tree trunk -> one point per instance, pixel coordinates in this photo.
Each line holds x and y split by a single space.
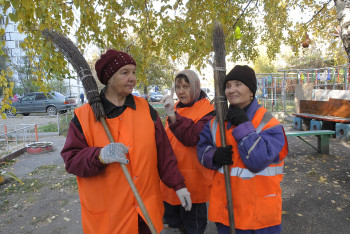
343 15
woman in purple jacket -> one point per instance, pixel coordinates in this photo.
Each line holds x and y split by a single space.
256 147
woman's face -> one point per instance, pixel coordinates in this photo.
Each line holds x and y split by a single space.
238 94
124 80
183 91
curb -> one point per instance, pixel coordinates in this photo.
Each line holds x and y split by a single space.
13 155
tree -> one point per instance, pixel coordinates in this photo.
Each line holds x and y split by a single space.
160 73
25 78
150 28
343 15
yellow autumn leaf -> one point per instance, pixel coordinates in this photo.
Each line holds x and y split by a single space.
322 179
41 27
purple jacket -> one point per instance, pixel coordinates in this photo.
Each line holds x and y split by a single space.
263 154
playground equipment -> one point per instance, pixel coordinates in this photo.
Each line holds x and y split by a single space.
276 91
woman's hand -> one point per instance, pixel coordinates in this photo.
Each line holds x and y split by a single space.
114 152
185 198
223 155
168 105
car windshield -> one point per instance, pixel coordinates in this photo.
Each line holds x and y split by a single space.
57 95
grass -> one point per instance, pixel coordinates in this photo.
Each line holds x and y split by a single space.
64 125
51 127
45 169
162 115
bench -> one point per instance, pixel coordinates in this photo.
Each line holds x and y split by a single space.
322 138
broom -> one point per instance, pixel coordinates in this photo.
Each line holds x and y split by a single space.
74 56
221 108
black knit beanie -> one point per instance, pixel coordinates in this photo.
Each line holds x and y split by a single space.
244 74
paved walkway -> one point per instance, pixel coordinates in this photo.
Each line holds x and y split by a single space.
28 162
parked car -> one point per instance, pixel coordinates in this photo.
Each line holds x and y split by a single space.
155 97
39 102
137 94
210 93
145 96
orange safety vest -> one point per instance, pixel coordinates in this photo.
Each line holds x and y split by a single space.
198 179
257 201
107 202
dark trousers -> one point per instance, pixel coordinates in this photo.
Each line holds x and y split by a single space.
223 229
193 221
143 227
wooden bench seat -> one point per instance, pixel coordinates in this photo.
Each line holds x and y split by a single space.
322 138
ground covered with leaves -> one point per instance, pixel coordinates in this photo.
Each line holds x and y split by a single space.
43 203
316 192
316 188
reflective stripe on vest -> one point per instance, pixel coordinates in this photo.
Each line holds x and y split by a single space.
245 173
266 118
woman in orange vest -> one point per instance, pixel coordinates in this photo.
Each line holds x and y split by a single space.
107 202
256 147
185 121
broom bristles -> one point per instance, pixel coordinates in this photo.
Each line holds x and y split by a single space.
219 45
74 56
219 68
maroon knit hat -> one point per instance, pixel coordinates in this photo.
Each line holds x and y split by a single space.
110 62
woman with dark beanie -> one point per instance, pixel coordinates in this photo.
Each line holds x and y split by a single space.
256 147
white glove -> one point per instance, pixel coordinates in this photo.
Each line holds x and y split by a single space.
114 152
168 104
185 198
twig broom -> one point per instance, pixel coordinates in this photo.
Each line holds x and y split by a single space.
74 56
221 108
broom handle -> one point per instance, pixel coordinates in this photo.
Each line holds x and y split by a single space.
131 183
226 171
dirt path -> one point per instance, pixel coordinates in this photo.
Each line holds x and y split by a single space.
316 192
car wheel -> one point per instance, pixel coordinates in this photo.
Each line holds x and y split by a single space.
25 114
9 113
51 110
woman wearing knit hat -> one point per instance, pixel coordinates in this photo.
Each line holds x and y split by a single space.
107 202
185 120
256 148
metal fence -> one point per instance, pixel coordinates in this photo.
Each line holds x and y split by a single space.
16 137
17 132
275 91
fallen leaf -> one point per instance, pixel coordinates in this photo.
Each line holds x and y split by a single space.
322 179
